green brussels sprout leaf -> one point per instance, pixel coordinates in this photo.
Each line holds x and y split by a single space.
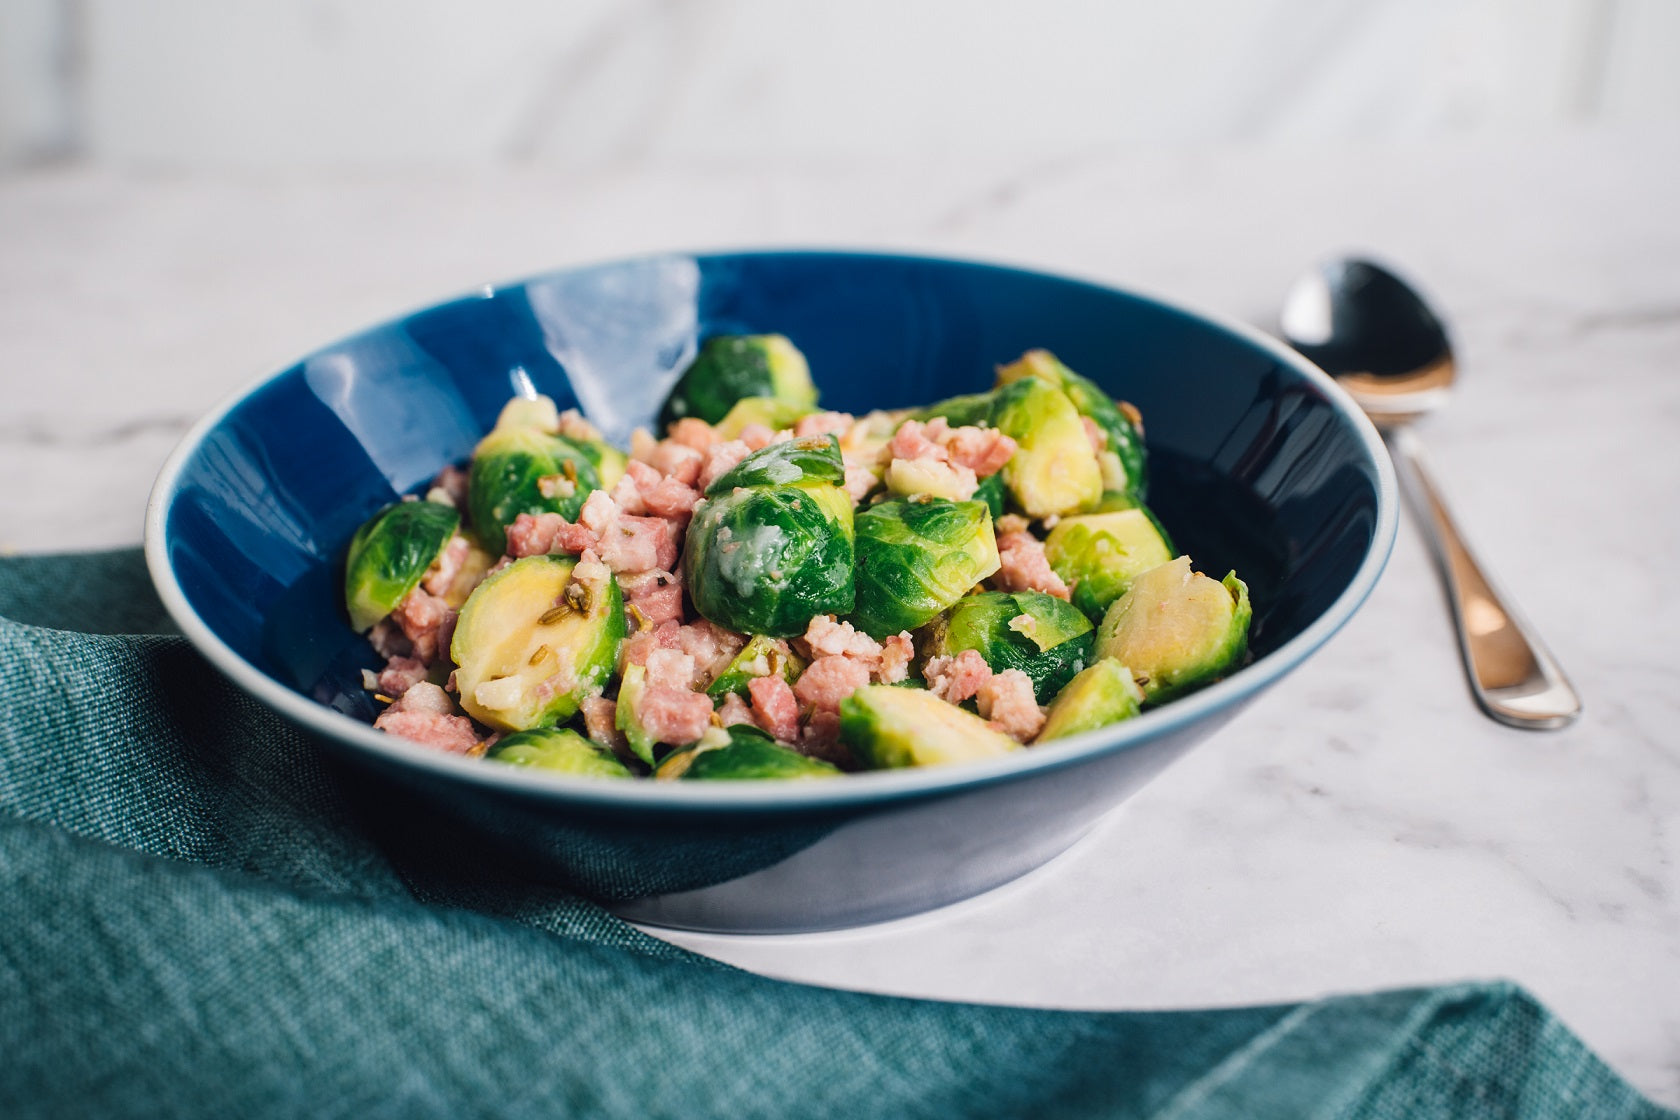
536 638
389 556
760 657
810 460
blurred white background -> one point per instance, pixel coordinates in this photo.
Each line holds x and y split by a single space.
610 85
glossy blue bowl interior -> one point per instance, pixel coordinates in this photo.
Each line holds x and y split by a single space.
1257 463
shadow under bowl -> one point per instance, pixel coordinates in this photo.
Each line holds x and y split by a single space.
1258 462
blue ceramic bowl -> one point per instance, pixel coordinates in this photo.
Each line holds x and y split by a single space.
1258 463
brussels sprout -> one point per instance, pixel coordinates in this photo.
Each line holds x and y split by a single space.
1177 629
1103 694
772 413
536 638
389 556
521 468
760 657
914 559
1054 471
1123 460
1043 636
772 545
560 750
1099 554
895 727
809 461
748 755
625 718
730 367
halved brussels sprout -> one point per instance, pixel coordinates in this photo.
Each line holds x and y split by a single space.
1123 461
536 638
772 545
559 750
523 467
924 478
1046 638
1099 554
730 367
760 657
1102 694
891 727
1054 471
1177 629
809 461
914 559
772 413
389 556
748 755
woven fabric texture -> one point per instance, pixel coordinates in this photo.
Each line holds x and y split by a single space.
194 921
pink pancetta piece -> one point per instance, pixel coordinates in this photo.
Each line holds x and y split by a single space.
734 710
532 534
957 678
1007 700
896 654
912 441
829 680
427 622
388 640
669 498
447 566
757 436
860 481
674 715
425 714
982 450
638 646
656 595
775 707
677 461
823 424
721 458
826 636
600 722
670 668
693 432
711 646
1022 566
400 674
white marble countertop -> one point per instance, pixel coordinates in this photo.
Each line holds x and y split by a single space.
1361 826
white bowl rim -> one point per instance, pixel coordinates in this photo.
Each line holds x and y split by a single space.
854 791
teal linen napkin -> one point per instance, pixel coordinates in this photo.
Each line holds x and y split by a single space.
194 921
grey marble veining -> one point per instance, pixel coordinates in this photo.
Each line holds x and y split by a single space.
1361 826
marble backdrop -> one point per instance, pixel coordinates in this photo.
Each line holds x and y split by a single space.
595 84
1361 826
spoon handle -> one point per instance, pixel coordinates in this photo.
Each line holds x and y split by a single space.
1512 675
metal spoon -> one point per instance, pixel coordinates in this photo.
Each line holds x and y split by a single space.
1370 331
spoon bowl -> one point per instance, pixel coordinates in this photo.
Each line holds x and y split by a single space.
1376 336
